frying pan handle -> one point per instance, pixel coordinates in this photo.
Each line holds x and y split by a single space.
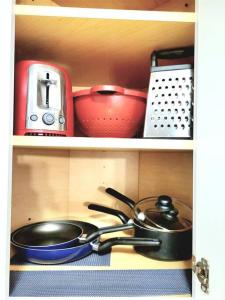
107 89
106 245
174 53
124 218
108 229
120 197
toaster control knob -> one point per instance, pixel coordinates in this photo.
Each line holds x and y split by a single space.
48 119
61 120
33 117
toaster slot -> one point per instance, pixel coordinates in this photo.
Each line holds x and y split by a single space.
47 91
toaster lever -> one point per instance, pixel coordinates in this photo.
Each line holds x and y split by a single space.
49 82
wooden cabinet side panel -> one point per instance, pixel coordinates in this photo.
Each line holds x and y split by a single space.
167 173
40 186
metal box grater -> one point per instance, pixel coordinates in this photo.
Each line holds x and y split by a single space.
169 112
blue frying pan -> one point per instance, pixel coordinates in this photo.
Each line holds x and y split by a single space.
77 251
58 234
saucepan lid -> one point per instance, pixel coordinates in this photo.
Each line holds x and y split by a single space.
163 213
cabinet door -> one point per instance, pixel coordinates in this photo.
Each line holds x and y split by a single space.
209 148
6 104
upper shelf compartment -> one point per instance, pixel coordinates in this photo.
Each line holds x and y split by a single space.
162 5
100 46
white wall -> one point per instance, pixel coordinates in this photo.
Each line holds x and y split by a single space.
209 153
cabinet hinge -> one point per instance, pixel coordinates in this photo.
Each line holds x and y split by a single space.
201 269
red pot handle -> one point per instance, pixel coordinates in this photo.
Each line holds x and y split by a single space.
107 89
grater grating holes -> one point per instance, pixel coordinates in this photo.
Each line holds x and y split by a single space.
171 98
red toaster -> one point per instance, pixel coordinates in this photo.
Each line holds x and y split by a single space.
43 100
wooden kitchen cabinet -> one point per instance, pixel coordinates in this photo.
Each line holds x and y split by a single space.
51 178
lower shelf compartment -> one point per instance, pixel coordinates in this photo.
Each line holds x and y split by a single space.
101 275
120 273
104 283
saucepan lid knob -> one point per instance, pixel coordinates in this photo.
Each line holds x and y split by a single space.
164 203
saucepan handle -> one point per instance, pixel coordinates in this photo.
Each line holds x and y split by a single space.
106 245
108 229
120 197
108 210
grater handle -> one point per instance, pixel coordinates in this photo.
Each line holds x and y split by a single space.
174 53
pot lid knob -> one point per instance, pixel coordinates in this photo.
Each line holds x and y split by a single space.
164 203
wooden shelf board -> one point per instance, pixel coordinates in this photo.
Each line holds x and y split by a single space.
100 46
85 143
99 13
126 259
161 5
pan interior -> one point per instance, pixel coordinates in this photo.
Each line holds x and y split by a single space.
47 234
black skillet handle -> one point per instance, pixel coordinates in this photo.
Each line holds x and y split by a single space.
106 245
120 197
174 53
108 229
124 218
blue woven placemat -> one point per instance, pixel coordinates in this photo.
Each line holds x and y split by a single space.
102 283
91 260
